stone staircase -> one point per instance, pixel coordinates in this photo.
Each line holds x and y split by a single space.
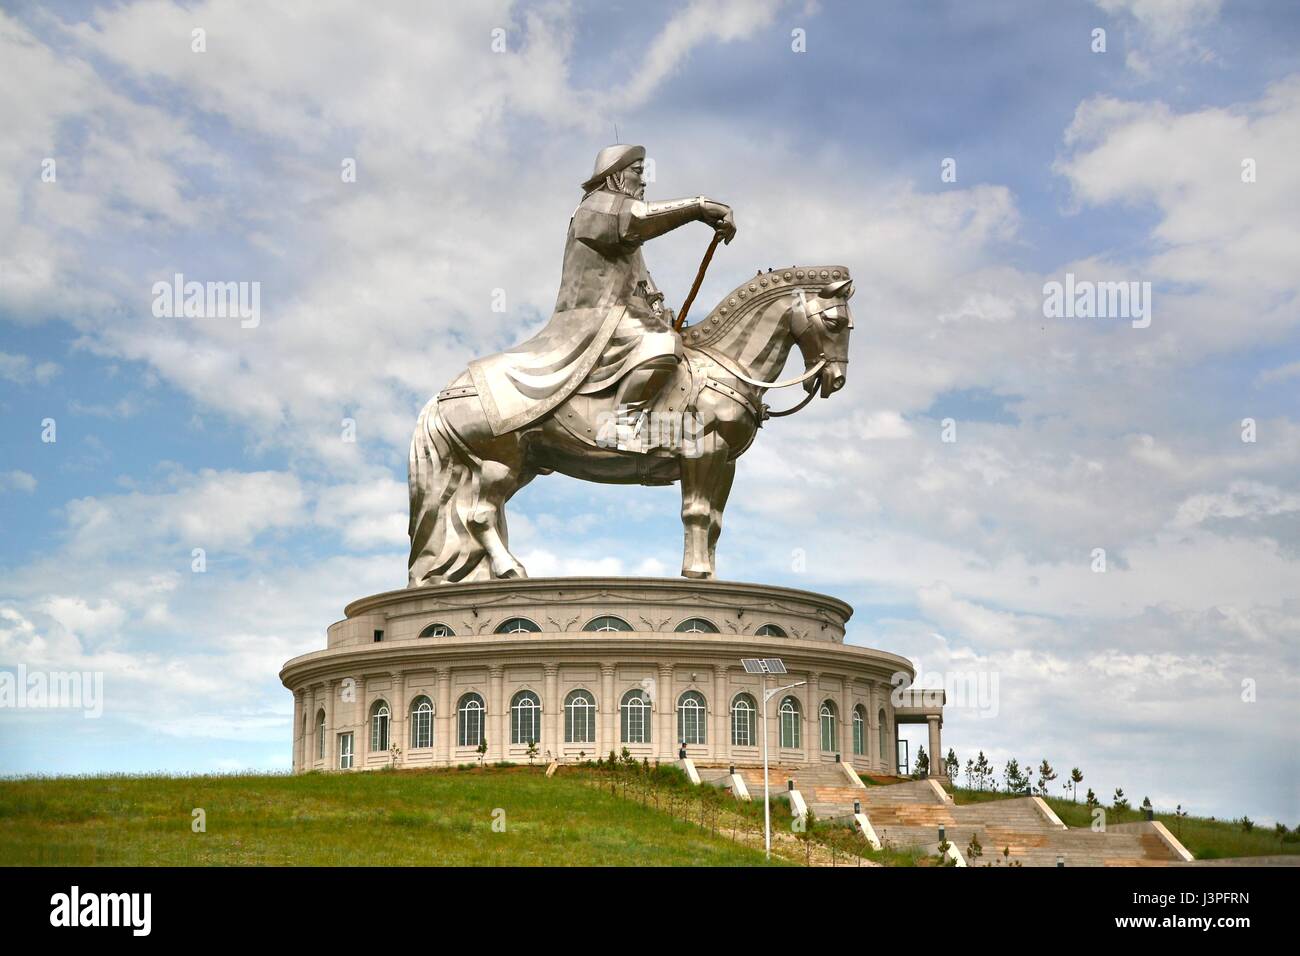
909 814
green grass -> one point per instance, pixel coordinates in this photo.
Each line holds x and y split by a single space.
1204 838
416 818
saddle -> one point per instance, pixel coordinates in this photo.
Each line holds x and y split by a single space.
670 424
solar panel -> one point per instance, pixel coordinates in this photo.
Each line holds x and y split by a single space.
752 665
775 665
764 665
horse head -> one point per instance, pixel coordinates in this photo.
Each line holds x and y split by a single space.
821 324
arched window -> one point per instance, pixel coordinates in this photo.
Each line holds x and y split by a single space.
437 630
379 726
695 625
635 717
771 630
692 717
742 721
791 723
859 730
525 718
517 625
607 623
579 718
469 721
320 734
421 723
884 744
829 721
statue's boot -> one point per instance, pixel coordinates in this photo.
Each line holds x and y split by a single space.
636 394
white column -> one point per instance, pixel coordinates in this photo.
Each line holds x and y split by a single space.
845 704
551 712
812 743
498 722
875 757
444 727
607 707
936 748
297 730
666 705
331 750
721 705
397 722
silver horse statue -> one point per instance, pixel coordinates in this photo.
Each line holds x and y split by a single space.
463 468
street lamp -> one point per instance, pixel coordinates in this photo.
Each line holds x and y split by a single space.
767 667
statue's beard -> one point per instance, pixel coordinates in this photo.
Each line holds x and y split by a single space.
619 184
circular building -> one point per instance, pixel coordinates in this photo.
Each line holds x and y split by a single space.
572 668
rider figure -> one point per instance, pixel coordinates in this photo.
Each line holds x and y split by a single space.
603 267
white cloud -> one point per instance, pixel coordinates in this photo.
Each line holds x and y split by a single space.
18 480
1225 240
21 370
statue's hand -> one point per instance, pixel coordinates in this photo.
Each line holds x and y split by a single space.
722 218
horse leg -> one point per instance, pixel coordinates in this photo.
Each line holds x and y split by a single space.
727 474
702 477
497 482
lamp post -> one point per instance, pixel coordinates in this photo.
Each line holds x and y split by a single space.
767 798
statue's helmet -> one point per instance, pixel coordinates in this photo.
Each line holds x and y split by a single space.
610 160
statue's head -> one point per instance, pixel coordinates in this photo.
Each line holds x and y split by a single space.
620 168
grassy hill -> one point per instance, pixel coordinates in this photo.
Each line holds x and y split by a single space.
416 818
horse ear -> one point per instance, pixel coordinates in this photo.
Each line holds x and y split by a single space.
837 290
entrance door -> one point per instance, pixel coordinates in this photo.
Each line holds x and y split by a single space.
345 751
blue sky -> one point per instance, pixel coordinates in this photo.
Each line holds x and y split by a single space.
970 557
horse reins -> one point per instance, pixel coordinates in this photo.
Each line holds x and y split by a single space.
782 383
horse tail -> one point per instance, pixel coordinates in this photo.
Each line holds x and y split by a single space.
440 482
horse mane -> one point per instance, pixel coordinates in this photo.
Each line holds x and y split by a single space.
755 291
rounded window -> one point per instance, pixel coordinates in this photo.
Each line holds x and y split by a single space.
607 623
469 720
525 718
517 625
421 723
695 625
771 630
437 629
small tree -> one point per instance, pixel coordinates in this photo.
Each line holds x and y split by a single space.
532 751
944 858
1120 802
951 766
974 849
1090 800
1045 777
922 762
1247 824
1076 778
970 773
482 750
1016 778
983 771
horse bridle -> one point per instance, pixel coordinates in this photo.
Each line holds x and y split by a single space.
800 323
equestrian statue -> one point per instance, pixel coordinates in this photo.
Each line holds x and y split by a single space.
615 388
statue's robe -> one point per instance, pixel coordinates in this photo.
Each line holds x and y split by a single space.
603 326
